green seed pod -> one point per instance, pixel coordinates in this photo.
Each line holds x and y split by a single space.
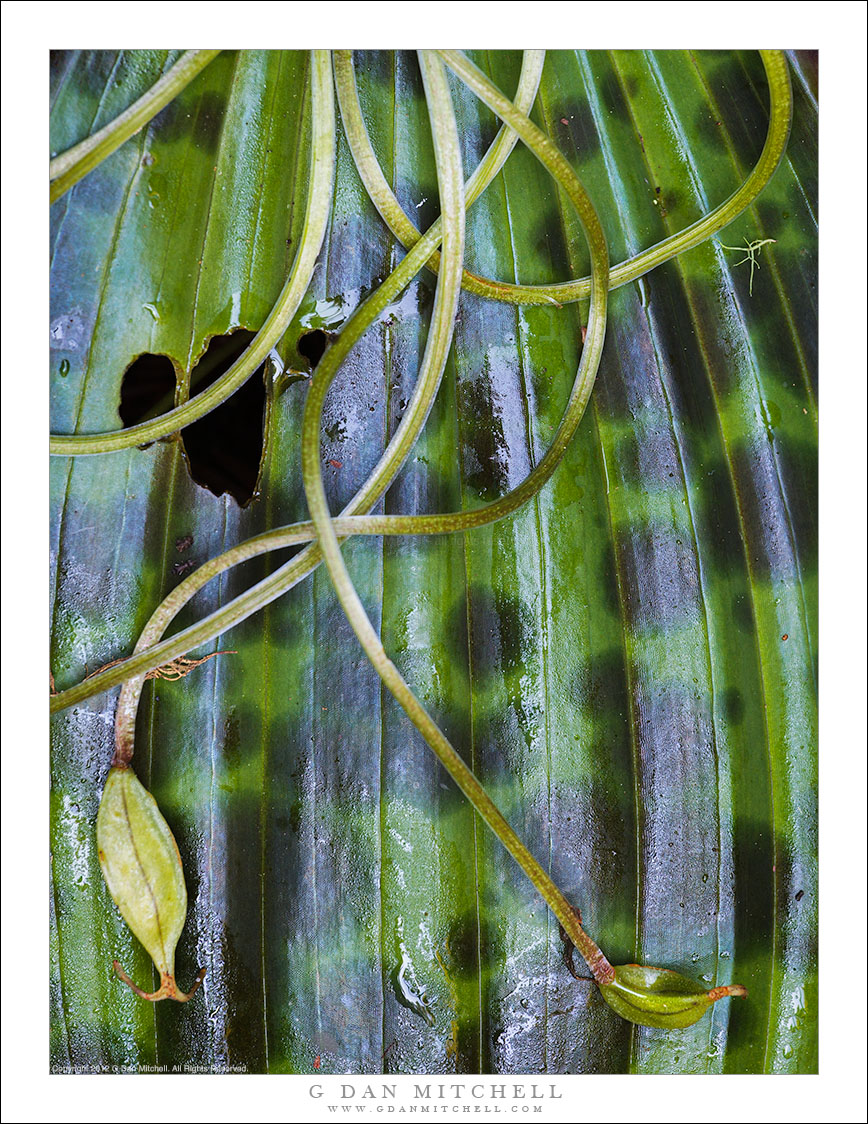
658 997
142 869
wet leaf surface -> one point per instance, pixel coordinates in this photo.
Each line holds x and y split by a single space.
628 663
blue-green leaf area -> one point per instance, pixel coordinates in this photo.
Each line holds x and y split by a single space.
628 662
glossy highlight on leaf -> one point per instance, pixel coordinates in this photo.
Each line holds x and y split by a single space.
607 659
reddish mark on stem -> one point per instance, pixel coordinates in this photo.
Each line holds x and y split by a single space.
569 947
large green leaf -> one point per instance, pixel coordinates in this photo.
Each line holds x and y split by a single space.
628 663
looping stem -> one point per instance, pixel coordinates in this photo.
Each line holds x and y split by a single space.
316 217
379 480
448 160
69 167
565 292
294 571
327 529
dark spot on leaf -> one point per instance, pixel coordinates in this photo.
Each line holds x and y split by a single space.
669 200
209 120
764 518
579 138
742 612
732 705
600 684
707 127
718 526
231 739
550 245
455 631
166 124
771 218
743 112
486 459
659 578
472 945
753 858
607 584
501 628
424 295
375 67
613 97
199 121
237 950
632 85
797 461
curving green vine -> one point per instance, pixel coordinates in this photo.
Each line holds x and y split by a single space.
67 168
646 996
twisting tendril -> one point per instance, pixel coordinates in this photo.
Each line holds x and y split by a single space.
69 167
644 995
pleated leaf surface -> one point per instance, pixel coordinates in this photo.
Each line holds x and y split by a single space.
628 663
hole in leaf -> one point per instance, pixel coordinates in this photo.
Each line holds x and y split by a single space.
312 346
147 389
224 448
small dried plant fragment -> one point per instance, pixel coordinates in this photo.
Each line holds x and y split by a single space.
142 869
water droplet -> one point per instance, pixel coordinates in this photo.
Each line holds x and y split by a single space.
64 368
66 332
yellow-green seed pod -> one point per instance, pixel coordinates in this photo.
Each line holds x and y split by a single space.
142 868
658 997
